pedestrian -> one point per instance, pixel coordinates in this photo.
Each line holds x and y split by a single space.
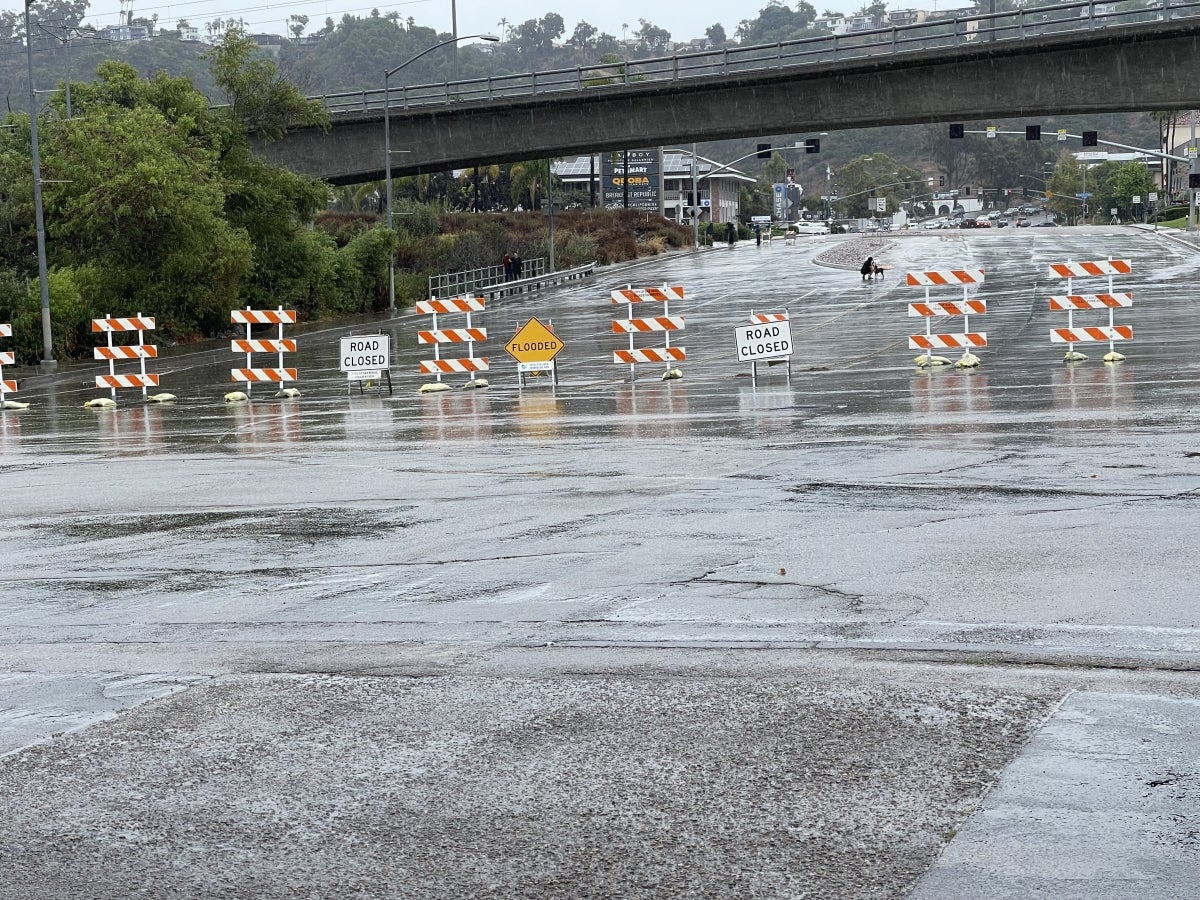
516 266
730 233
868 269
758 235
508 267
710 234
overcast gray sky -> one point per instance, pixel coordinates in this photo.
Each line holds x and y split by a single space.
684 20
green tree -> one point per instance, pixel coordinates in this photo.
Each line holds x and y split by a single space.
1133 179
260 98
1065 184
651 38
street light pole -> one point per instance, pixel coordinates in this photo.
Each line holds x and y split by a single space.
49 364
387 137
695 210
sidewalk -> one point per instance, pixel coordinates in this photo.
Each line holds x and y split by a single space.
1101 805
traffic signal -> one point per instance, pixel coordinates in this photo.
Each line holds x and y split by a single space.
764 151
1033 132
1193 181
941 181
812 145
1089 139
956 130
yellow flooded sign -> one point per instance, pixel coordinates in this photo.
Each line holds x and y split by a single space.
534 342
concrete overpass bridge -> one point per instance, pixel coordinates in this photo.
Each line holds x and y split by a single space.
1070 58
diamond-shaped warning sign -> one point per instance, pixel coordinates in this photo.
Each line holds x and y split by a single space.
534 342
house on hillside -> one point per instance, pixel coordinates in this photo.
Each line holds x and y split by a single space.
121 33
833 24
898 18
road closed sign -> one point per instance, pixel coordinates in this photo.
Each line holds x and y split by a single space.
770 341
534 343
365 353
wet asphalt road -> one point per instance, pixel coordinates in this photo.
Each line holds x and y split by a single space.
845 541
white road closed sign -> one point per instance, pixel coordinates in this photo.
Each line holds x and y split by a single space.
367 352
770 341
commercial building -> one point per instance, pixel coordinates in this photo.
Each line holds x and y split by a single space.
659 179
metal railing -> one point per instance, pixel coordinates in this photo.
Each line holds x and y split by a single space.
1023 24
470 281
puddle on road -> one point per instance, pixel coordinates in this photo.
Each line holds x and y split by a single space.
296 525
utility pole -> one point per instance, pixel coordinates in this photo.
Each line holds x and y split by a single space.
49 363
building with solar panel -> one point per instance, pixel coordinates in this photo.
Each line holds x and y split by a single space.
654 180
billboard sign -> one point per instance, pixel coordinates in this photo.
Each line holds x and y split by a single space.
632 178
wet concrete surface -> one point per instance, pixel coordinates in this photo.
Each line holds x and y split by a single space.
338 564
1101 804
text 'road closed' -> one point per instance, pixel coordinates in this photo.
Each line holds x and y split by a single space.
365 352
770 341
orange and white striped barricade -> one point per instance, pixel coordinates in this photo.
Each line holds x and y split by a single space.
439 365
666 323
7 358
965 340
251 374
141 351
1111 300
769 337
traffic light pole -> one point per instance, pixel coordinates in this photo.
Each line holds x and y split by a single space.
1191 160
1159 153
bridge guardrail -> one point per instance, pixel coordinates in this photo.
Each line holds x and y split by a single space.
1014 25
472 281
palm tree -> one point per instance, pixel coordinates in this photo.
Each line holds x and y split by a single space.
624 28
525 178
503 25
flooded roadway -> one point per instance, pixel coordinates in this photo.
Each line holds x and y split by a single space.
864 517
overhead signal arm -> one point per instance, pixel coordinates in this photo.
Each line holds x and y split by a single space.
1145 150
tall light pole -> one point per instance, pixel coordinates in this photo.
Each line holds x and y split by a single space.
695 210
49 364
387 138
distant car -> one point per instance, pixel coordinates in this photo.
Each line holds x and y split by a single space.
1022 222
994 214
1027 210
1046 225
967 223
1001 223
983 223
809 228
1012 211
